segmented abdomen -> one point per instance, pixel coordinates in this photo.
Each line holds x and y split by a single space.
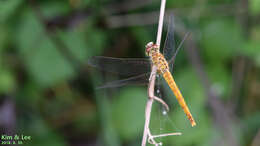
169 79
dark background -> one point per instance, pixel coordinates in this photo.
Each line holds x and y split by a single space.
47 89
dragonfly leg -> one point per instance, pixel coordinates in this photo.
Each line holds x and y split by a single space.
162 102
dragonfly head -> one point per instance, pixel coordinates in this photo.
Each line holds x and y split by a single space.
151 48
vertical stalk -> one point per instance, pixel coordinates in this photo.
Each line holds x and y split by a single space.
152 79
160 24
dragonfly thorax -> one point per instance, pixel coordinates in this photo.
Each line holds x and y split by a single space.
160 62
151 48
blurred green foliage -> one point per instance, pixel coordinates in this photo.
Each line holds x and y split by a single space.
45 46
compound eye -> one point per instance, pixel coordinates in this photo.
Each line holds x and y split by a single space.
149 45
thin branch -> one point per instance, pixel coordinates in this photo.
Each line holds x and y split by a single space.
162 102
167 134
152 82
149 104
160 24
147 120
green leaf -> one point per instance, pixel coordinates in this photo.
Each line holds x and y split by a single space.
221 79
128 112
7 8
44 62
7 81
47 65
196 135
52 9
44 135
251 48
254 7
221 39
143 36
96 40
74 40
85 41
29 32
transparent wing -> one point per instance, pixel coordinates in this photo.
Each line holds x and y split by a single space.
171 61
169 44
142 79
169 50
121 66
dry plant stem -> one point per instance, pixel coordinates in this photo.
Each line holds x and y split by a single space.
152 81
162 102
160 24
151 137
167 134
149 105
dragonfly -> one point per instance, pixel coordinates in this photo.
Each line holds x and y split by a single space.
139 69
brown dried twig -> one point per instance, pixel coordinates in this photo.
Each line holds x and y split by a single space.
151 86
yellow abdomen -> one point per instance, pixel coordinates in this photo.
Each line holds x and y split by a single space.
169 79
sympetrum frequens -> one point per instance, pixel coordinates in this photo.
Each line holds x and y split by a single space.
139 68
